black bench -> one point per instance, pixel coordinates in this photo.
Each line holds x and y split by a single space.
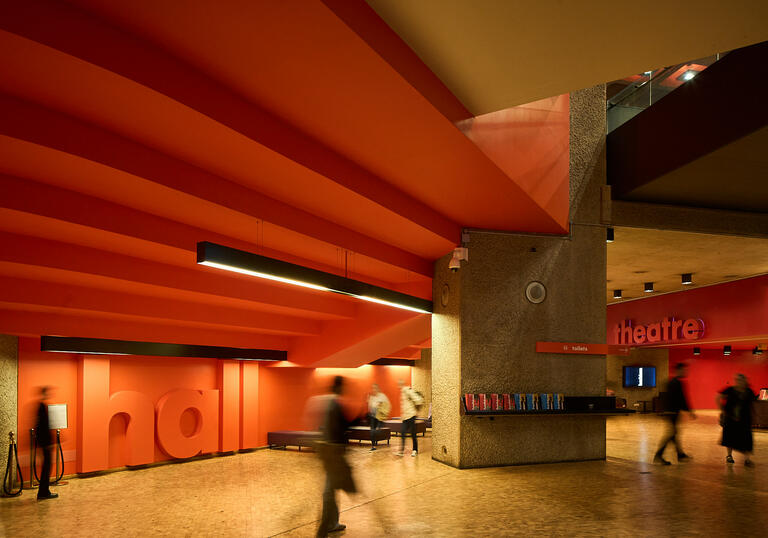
285 438
363 433
397 426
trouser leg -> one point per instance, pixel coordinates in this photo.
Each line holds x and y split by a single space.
675 438
45 473
669 435
330 516
413 434
373 429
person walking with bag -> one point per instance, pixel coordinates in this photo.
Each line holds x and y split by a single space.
735 403
410 401
338 474
675 402
378 411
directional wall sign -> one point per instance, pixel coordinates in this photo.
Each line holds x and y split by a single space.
577 348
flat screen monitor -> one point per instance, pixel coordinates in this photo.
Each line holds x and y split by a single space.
640 376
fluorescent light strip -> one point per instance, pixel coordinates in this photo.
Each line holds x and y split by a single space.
265 275
380 301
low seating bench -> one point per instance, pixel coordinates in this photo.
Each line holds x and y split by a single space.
397 426
284 438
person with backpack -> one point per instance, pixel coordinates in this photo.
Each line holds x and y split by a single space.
378 411
410 402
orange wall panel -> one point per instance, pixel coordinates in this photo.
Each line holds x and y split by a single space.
117 404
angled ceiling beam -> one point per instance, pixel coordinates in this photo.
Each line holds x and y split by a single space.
688 219
80 34
26 322
59 256
24 291
39 199
723 103
367 24
27 121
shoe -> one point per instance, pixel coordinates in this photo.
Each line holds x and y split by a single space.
373 448
413 454
749 463
46 497
338 528
729 459
399 453
683 457
661 461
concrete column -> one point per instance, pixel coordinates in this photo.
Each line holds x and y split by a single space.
9 359
422 379
484 330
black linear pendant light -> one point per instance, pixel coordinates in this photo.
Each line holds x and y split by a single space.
240 261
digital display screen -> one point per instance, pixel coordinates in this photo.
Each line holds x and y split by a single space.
639 376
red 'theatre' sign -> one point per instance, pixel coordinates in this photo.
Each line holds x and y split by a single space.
580 349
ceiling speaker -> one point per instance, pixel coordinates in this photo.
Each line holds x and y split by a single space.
535 292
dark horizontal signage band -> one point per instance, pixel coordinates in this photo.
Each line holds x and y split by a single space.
240 261
101 346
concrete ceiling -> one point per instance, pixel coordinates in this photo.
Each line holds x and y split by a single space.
732 177
496 54
660 256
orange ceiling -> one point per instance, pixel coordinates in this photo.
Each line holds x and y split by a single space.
133 130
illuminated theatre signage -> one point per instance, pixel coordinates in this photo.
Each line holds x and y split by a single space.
661 332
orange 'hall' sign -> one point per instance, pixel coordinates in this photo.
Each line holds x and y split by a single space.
665 331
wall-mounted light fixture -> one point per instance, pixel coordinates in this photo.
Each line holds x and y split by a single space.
697 351
726 350
687 279
240 261
609 235
617 294
103 346
649 287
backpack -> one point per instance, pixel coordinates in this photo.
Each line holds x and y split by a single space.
417 399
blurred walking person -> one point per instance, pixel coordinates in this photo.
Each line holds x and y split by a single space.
735 403
675 403
44 441
410 401
378 411
338 474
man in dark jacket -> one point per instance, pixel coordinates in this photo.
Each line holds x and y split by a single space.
44 441
674 403
331 451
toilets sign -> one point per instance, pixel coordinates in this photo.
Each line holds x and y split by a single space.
666 331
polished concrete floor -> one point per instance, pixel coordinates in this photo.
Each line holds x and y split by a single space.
275 492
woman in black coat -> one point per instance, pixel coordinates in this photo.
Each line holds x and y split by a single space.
736 406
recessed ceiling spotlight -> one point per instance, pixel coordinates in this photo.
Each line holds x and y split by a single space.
649 287
726 350
617 294
687 278
697 351
609 235
688 75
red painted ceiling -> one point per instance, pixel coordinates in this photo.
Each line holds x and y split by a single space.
133 130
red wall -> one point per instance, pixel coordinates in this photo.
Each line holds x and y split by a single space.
734 313
711 371
282 392
734 310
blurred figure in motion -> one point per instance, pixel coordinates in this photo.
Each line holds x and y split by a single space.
735 403
378 411
675 402
338 474
44 441
410 401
